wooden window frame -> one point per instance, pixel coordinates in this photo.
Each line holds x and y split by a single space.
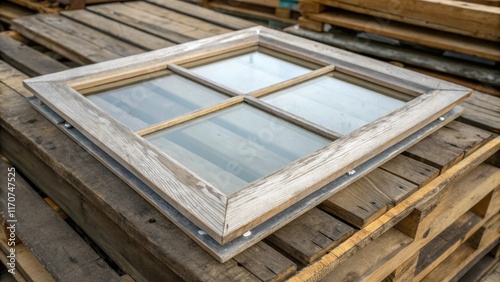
226 218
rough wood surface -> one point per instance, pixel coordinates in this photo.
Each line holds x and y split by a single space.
26 59
402 31
461 17
311 235
204 14
448 146
60 249
411 170
483 111
171 28
118 30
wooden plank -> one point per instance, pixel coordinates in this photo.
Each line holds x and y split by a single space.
453 264
266 263
88 34
480 21
449 145
204 14
247 10
11 77
484 270
402 31
202 28
10 11
118 30
482 110
311 235
370 257
46 7
61 250
411 170
437 250
165 28
26 59
72 47
361 202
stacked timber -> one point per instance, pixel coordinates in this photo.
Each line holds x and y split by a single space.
460 38
282 11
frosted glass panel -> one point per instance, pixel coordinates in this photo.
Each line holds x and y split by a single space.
236 146
250 72
333 103
150 101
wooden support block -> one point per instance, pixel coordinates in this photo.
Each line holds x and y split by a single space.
405 272
311 7
310 24
486 234
311 235
282 13
481 270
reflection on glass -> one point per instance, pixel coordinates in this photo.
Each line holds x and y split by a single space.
150 101
334 104
236 146
250 72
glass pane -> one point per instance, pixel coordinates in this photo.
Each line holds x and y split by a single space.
236 146
149 101
250 72
333 103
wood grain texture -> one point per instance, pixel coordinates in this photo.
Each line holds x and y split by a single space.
481 21
311 235
483 111
26 59
61 250
412 170
402 31
118 30
204 14
449 145
71 47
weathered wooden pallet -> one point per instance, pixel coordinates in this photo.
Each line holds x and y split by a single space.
133 234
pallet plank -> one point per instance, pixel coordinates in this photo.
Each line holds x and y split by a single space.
91 35
411 170
449 145
204 14
118 30
71 47
60 249
26 59
311 235
168 29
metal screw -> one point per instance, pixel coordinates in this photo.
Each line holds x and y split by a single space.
67 125
441 118
248 233
351 172
201 232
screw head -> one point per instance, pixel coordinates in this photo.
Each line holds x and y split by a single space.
201 232
351 172
441 118
152 220
67 125
248 233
